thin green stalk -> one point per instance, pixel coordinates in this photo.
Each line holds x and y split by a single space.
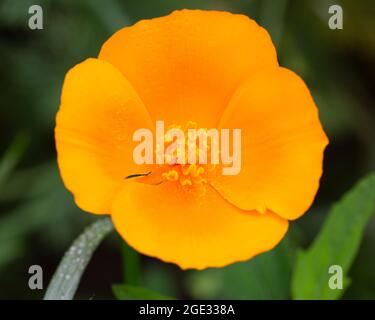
131 265
66 279
13 155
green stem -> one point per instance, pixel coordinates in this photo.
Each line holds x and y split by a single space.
13 155
66 279
131 265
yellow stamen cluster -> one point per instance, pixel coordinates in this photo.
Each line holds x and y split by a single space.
186 174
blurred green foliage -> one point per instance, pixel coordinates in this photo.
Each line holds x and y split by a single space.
129 292
336 244
264 277
38 218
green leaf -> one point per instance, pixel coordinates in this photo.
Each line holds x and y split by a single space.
336 244
129 292
66 279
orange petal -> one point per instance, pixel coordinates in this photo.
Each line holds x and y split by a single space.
186 66
282 145
171 223
98 114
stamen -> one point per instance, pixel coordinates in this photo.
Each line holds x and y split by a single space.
199 171
186 182
261 209
191 125
191 168
183 172
171 175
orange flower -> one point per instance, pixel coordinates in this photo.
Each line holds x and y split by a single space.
218 70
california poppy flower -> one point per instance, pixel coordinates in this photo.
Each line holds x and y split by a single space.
214 69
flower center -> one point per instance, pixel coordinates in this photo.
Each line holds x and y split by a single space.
186 172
